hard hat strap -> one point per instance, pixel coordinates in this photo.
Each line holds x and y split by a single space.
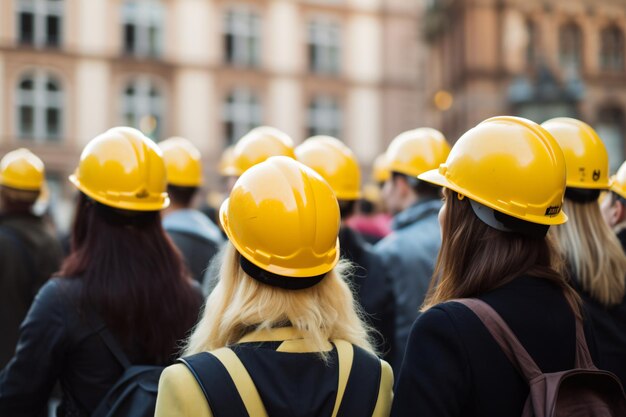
275 280
506 223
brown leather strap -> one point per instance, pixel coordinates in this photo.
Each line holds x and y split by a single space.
583 357
504 337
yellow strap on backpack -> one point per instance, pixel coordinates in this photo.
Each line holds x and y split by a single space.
249 393
243 382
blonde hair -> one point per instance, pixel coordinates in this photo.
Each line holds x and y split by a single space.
592 252
239 304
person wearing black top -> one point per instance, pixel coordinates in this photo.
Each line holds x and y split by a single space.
494 248
123 273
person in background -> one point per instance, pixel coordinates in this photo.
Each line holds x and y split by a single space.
504 183
338 165
29 250
410 251
123 275
613 205
595 259
280 335
196 236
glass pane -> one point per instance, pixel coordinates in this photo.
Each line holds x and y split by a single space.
154 46
129 39
27 84
52 86
130 90
27 121
53 30
53 123
27 28
229 48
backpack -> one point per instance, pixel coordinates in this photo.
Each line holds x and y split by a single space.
583 391
134 393
230 391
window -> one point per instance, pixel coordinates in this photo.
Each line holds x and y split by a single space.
324 47
612 49
324 117
39 22
532 46
142 26
143 107
39 107
610 127
242 38
242 113
570 46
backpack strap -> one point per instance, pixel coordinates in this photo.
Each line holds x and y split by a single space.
345 356
361 393
226 384
504 337
583 357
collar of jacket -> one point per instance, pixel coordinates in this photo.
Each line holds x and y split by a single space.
293 339
416 212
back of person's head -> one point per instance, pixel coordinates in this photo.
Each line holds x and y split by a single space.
184 170
505 180
21 180
132 274
337 164
255 147
593 253
280 267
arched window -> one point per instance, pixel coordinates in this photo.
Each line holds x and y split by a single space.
611 127
570 46
532 45
39 107
324 116
242 113
142 22
324 47
143 106
39 22
612 49
242 38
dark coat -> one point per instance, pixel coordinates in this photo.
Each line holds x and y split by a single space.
621 235
58 343
373 287
29 254
453 367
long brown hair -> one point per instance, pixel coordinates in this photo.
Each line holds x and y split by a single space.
133 277
475 258
593 252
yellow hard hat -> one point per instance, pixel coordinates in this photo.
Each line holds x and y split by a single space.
258 145
226 165
511 165
335 162
380 170
182 162
284 219
124 169
23 170
618 181
586 158
417 151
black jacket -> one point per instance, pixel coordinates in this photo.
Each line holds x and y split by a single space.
621 235
453 367
58 343
373 287
29 254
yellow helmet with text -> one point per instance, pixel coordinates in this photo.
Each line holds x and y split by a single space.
586 158
23 170
283 218
122 168
417 151
335 162
182 162
258 145
509 164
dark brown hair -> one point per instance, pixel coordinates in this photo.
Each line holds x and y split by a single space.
475 258
133 277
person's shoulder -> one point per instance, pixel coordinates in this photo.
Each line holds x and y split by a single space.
448 316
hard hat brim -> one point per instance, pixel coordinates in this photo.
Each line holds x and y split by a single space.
434 177
119 204
275 269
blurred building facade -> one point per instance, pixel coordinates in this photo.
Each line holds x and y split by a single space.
534 58
209 70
